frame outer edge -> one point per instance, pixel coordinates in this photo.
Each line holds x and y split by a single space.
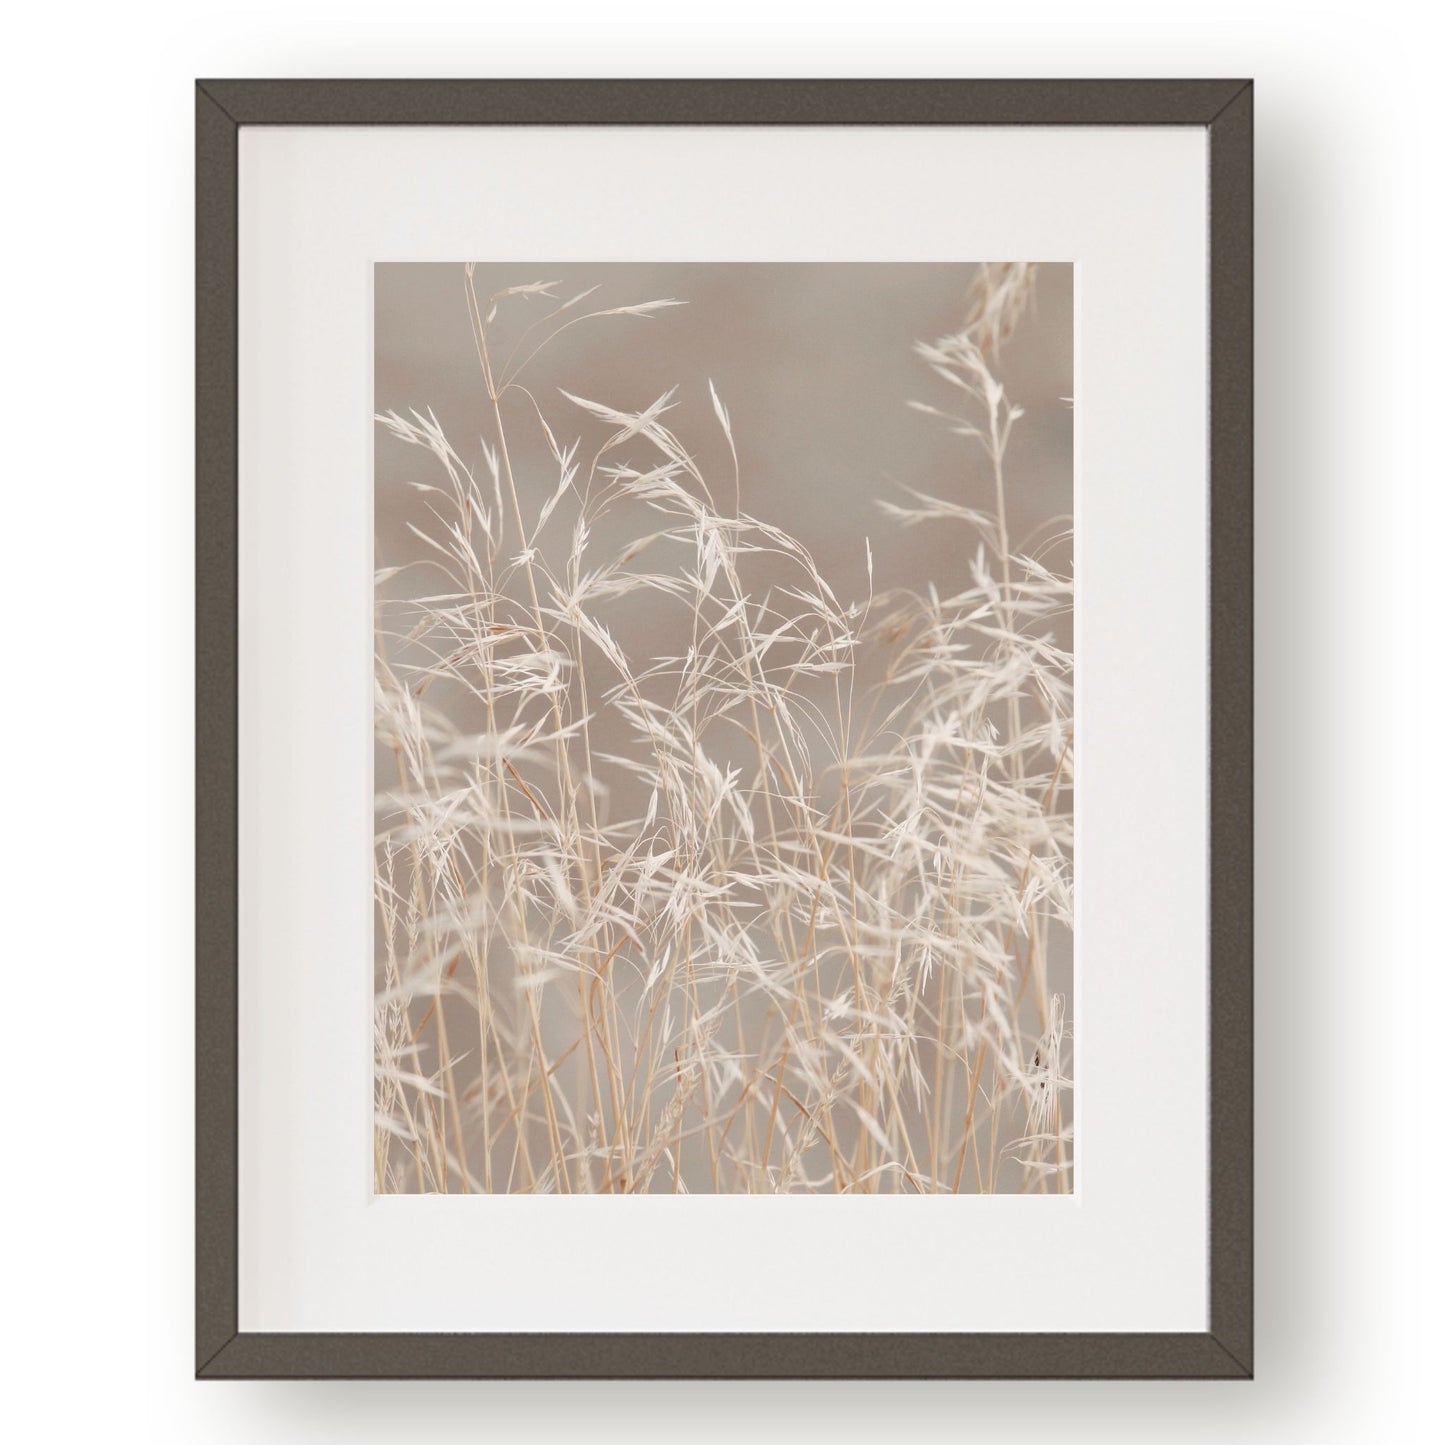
1226 109
1231 807
216 729
802 101
723 1356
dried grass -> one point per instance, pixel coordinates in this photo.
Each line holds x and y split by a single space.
791 935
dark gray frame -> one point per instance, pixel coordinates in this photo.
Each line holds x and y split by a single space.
1225 108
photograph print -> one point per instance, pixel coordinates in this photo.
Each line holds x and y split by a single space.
724 728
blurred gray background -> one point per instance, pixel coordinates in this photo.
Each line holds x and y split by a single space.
814 362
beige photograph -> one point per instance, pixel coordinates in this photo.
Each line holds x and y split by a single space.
724 728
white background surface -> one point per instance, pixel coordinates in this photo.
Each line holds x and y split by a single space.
1128 1251
96 587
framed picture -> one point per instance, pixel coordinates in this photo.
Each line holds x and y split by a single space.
724 725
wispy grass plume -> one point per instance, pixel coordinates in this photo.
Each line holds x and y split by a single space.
768 911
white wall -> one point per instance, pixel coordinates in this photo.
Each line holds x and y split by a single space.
96 589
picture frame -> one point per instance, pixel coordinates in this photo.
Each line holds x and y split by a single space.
1222 109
